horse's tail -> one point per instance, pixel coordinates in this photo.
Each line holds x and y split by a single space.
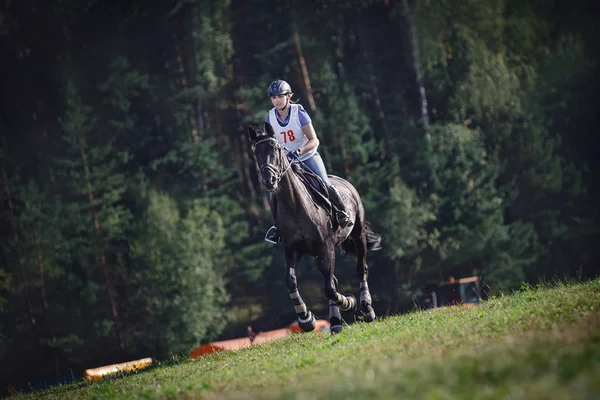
373 241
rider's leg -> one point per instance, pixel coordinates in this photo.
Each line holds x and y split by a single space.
316 165
342 216
272 234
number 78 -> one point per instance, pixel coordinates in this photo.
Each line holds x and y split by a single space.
289 135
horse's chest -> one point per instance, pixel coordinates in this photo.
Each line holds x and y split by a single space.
303 232
304 242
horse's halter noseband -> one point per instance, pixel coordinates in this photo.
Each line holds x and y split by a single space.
271 167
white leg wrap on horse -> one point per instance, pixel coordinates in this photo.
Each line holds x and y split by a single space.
365 298
365 295
351 302
301 309
345 303
310 317
295 295
334 310
341 301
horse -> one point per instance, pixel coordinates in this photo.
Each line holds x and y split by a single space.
307 228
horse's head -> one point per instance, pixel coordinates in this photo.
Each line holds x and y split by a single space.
269 156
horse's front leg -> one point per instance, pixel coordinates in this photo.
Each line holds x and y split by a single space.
337 301
306 319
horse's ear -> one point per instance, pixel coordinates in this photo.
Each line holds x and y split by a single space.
252 133
269 129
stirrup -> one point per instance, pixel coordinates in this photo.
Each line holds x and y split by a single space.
272 236
344 220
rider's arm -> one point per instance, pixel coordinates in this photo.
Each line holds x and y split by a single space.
311 135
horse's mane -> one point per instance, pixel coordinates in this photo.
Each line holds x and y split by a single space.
298 168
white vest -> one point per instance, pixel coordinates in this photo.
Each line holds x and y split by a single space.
290 137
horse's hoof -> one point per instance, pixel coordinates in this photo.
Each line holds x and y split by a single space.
335 329
369 316
309 324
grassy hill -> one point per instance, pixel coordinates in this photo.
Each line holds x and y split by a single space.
539 343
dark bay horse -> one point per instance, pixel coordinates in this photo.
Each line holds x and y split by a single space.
306 228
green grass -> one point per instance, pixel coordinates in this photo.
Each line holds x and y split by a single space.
540 343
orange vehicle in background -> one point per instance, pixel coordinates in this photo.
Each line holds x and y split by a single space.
254 338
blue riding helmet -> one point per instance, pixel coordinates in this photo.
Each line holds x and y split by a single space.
279 87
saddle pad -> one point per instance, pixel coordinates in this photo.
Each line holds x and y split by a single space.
344 194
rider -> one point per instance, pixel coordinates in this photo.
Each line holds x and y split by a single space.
295 133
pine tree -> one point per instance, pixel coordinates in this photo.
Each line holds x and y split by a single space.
487 70
178 280
405 222
93 188
473 232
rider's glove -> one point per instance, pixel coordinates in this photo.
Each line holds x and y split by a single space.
293 155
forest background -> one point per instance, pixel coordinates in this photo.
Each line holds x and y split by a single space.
131 216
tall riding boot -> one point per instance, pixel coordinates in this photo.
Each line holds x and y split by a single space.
341 214
272 235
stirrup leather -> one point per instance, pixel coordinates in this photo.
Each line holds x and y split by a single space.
271 233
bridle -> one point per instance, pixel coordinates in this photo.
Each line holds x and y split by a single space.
275 170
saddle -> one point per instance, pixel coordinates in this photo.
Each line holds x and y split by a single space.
316 188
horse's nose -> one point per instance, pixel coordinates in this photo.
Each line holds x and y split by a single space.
269 182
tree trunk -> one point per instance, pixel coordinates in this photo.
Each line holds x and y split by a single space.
17 240
245 161
372 82
200 120
101 255
195 38
184 84
40 260
199 110
48 321
416 60
302 61
339 67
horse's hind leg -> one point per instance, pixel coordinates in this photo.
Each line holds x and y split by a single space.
360 242
306 319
